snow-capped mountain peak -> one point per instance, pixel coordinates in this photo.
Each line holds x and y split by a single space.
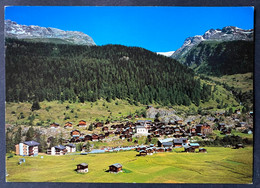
228 33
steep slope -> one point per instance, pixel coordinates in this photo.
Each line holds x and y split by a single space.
47 71
228 33
37 33
220 58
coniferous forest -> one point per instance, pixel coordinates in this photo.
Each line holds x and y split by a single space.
47 71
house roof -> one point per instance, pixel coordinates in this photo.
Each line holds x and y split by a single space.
31 143
83 164
61 147
71 145
167 143
194 144
117 165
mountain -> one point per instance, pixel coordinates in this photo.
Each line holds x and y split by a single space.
167 54
220 58
229 33
46 34
50 71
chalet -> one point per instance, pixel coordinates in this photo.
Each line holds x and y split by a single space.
194 145
150 151
168 149
115 168
204 129
167 144
99 124
160 150
70 148
129 140
202 150
28 148
238 146
139 148
189 149
68 125
54 125
106 134
105 128
161 142
101 137
94 137
57 150
177 143
82 168
177 130
88 137
82 136
142 153
82 123
179 122
75 133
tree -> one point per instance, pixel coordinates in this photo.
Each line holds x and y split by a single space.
87 147
90 128
30 134
35 106
18 136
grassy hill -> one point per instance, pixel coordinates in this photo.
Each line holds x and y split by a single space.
219 165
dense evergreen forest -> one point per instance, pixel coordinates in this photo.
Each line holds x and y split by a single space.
46 71
221 58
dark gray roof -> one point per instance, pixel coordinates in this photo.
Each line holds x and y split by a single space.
117 165
82 164
71 145
61 147
167 144
31 143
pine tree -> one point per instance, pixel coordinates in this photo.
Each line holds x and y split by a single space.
30 134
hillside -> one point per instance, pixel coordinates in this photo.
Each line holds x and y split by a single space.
47 71
220 58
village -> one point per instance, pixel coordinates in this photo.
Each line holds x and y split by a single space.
160 137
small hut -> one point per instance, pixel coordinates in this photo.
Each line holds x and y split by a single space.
202 150
142 153
115 168
82 168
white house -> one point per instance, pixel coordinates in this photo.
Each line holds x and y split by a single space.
141 130
71 148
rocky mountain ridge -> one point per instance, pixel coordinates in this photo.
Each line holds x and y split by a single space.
229 33
14 30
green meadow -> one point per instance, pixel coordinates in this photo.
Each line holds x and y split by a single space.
219 165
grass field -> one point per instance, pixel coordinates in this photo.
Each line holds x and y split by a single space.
219 165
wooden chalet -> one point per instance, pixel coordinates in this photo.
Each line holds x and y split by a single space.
105 128
75 133
189 149
68 125
54 125
194 145
115 168
98 124
88 137
238 146
57 150
82 123
106 134
150 151
168 149
177 142
202 150
82 168
142 153
160 150
101 137
95 137
129 140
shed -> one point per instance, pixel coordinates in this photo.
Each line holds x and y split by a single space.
82 168
115 168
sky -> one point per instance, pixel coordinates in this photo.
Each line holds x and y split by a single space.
158 29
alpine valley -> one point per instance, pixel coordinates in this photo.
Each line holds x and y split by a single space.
63 89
